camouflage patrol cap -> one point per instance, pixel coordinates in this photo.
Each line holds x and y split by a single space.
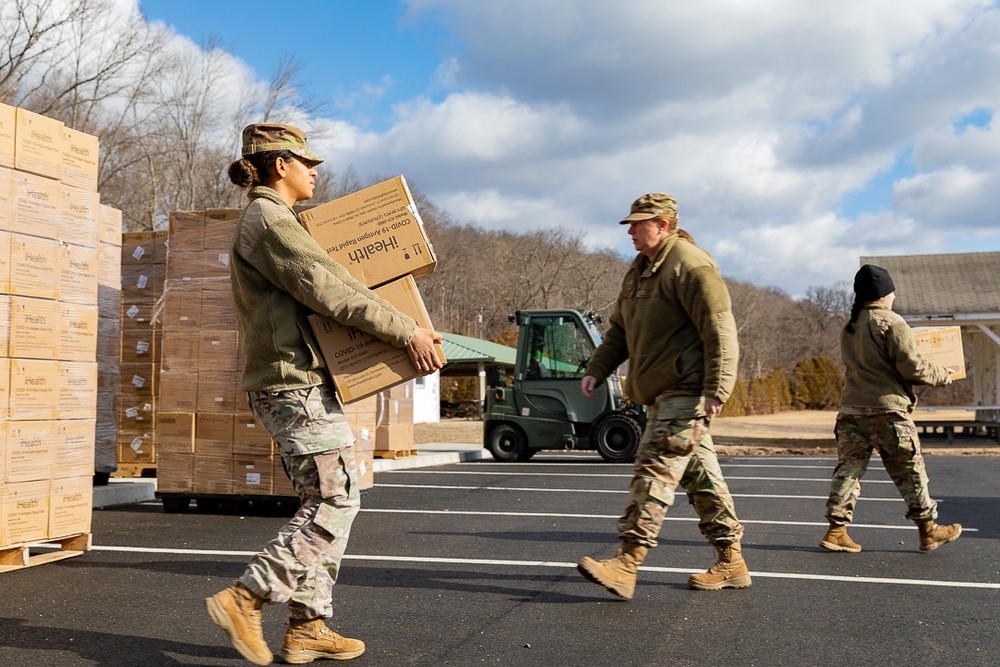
262 137
653 205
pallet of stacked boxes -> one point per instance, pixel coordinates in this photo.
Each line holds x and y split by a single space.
109 307
144 256
48 347
209 446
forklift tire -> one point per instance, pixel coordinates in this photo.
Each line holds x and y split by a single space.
616 438
508 444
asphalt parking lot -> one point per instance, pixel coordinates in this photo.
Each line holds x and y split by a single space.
474 564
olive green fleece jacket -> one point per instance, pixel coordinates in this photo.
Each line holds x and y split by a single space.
674 323
280 276
882 362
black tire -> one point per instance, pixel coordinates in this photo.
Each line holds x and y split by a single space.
508 444
616 438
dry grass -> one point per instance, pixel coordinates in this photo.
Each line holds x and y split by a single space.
799 432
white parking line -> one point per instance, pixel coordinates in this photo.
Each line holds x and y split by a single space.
618 491
824 480
565 565
566 515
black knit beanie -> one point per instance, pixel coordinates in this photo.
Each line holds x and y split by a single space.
872 282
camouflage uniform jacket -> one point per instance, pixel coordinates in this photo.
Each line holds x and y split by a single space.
280 275
882 362
674 323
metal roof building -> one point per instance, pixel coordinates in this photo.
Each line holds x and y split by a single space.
955 289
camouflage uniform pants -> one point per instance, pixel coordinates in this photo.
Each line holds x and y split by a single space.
300 566
894 436
676 449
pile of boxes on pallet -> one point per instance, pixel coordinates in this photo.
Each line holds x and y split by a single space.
207 441
143 271
55 255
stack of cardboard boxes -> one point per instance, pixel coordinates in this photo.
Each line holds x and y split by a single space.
143 270
50 258
109 306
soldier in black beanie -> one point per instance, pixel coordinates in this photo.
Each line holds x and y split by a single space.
882 364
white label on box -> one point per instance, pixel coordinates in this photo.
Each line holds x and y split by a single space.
136 445
138 252
141 347
132 312
216 342
131 413
138 381
141 283
364 433
224 258
253 478
219 399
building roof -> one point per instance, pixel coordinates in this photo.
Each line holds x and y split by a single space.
460 349
959 286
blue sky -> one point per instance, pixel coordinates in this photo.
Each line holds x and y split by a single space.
797 137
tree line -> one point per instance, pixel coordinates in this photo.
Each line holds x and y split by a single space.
168 120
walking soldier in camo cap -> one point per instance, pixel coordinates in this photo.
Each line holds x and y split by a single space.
280 275
674 323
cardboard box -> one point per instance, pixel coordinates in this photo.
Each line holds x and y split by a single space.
34 266
362 364
943 346
144 247
396 411
217 351
34 328
393 437
5 241
78 267
4 402
77 332
35 205
140 379
376 233
218 391
109 225
139 280
178 391
140 346
136 446
8 124
24 512
252 474
80 158
71 502
218 312
6 199
181 310
249 437
213 474
187 231
30 451
174 472
109 267
78 214
175 432
75 440
213 434
38 144
220 226
139 312
35 389
77 390
280 484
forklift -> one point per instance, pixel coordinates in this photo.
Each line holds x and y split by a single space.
542 407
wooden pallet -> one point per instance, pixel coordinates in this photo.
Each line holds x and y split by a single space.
394 453
19 556
135 470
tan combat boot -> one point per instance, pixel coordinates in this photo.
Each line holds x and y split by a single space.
237 611
310 640
932 535
618 573
836 539
729 572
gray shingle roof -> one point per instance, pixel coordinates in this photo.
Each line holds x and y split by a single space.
944 285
